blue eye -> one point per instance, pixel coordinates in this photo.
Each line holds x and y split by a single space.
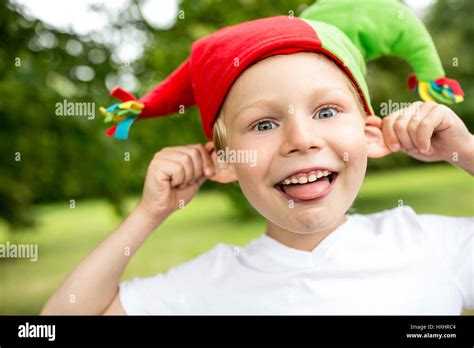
264 126
326 112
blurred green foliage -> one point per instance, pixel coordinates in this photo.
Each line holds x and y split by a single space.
64 158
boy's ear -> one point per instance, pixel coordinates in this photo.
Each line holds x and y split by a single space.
376 147
224 172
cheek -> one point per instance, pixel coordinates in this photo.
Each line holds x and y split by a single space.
253 176
250 183
255 166
350 145
253 159
350 142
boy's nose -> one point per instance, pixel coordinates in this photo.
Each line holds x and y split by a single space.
301 136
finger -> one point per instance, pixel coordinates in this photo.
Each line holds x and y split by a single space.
412 109
400 128
431 112
389 135
209 146
196 158
415 108
412 128
173 171
428 107
426 129
206 159
201 180
440 112
185 161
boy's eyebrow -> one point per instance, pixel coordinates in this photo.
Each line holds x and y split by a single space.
263 102
322 92
319 92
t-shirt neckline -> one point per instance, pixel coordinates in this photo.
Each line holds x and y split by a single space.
293 257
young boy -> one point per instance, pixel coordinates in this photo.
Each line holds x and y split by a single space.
308 118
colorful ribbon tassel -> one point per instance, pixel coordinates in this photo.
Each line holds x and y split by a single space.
442 90
123 114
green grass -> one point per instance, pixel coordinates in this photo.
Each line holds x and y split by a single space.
65 236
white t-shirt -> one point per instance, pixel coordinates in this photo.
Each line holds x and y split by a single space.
390 262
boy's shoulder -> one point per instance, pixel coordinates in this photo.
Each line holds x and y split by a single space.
211 261
403 212
404 226
405 215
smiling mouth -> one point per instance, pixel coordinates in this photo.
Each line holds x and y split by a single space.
307 188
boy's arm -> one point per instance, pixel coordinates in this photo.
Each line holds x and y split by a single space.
92 286
173 178
430 132
115 307
465 158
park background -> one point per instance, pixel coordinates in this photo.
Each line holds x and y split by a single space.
53 50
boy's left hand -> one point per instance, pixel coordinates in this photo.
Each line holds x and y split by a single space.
428 132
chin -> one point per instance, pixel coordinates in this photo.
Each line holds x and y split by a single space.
309 221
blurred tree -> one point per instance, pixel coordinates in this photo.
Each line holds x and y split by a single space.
448 22
45 157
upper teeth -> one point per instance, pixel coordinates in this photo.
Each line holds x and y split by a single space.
303 178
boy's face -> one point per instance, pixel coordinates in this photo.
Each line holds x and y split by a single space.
297 112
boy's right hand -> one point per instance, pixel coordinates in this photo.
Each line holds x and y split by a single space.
173 178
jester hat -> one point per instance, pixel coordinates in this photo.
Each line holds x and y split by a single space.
344 33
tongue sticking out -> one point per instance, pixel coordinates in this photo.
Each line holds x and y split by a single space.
311 190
